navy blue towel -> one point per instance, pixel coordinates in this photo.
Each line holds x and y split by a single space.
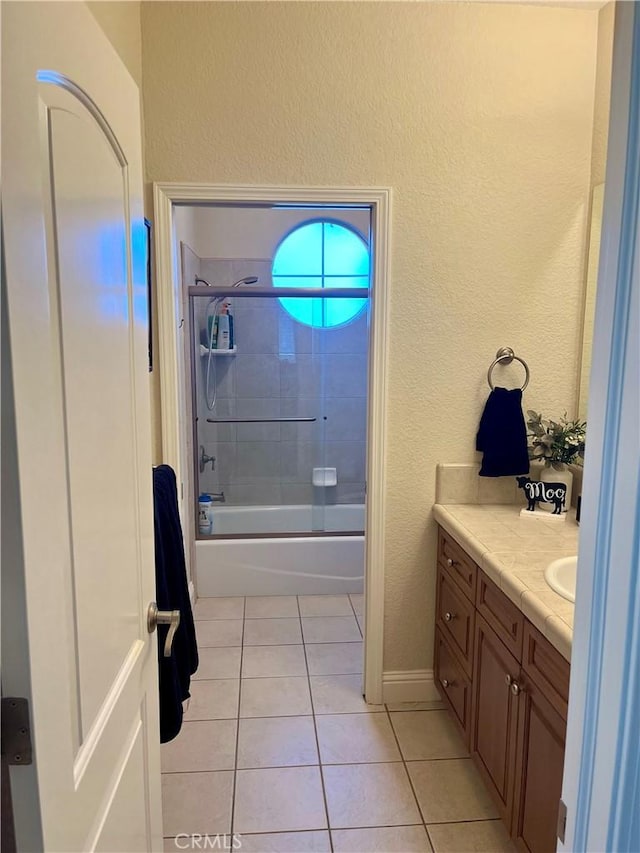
502 435
172 593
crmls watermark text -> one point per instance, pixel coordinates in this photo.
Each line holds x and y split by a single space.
195 841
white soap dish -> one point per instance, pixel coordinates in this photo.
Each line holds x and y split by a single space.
324 477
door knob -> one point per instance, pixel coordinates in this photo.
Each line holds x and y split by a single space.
157 617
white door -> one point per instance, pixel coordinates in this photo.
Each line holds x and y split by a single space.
73 236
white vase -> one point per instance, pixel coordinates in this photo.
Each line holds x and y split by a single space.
548 474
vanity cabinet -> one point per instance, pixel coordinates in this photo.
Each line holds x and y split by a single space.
507 688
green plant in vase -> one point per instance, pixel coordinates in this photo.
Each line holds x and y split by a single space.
556 444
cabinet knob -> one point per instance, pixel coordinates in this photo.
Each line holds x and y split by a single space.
451 563
516 689
446 683
449 616
508 680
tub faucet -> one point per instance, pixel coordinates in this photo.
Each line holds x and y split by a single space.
217 497
204 460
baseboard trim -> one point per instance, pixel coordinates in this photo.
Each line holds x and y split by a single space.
409 685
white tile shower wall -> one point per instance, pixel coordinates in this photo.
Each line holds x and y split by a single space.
284 369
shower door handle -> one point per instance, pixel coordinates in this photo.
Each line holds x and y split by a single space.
261 420
157 617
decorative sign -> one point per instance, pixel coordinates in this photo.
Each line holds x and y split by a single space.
539 492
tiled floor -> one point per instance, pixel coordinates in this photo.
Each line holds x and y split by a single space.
279 748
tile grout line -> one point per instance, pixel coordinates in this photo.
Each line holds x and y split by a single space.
355 616
315 730
406 770
235 760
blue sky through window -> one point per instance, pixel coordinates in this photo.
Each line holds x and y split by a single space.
327 255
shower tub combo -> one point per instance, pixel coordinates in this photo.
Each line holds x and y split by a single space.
291 564
282 410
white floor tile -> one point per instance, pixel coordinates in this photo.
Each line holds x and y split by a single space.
272 632
339 694
287 842
218 663
271 607
330 629
201 745
217 699
428 734
335 658
325 605
219 632
486 836
219 608
356 738
276 742
450 791
280 800
383 839
272 661
274 697
360 795
197 802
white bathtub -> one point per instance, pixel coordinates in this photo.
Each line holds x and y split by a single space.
309 565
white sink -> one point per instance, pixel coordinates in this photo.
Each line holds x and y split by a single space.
561 577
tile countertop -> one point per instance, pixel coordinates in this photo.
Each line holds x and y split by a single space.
514 552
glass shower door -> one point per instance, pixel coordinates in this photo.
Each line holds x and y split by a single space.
279 429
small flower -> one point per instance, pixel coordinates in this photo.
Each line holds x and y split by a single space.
556 443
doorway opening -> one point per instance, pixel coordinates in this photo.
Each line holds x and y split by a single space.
275 301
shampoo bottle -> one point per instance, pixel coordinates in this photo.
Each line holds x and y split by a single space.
205 514
224 328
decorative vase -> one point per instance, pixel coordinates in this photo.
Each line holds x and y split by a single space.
549 474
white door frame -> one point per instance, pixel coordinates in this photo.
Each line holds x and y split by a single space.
378 199
602 763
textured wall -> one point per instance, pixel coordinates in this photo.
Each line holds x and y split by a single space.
480 118
121 24
603 93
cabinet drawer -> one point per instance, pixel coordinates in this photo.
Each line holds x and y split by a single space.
501 614
452 683
546 667
459 566
456 619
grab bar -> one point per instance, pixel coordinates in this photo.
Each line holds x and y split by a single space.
260 420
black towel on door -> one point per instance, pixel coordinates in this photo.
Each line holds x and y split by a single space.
502 435
172 593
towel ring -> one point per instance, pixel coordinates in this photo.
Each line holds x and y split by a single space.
505 356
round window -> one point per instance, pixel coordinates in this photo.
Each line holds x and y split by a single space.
322 254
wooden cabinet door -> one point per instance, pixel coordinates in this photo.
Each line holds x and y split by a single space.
494 716
540 760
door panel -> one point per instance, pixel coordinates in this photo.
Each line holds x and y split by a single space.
89 235
75 278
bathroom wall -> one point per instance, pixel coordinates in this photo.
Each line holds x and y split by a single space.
606 18
120 22
479 116
283 369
